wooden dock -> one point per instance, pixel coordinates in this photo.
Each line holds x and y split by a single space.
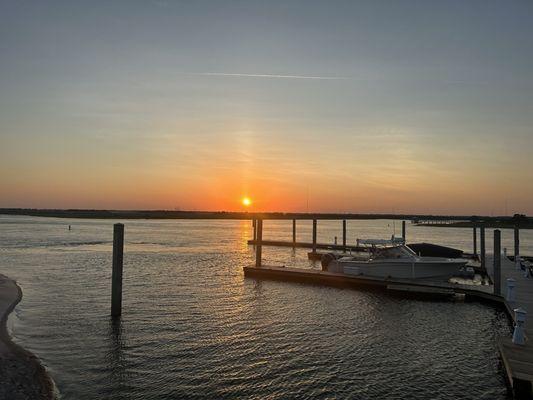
517 359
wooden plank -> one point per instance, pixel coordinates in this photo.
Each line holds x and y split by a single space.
517 352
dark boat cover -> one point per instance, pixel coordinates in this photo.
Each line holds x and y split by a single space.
434 250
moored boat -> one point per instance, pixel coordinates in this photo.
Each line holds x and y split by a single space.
392 258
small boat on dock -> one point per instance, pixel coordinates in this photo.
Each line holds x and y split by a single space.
392 259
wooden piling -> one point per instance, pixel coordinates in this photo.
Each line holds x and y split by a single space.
403 230
314 236
482 246
116 277
293 233
254 224
497 262
259 242
343 235
474 232
516 241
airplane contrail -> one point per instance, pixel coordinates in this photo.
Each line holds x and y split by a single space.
328 78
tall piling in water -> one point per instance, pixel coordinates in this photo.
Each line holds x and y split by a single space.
254 225
483 254
403 230
314 236
516 241
116 276
259 242
497 262
343 235
474 238
293 233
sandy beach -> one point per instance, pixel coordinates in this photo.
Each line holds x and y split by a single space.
21 374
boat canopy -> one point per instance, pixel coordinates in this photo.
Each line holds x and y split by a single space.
380 242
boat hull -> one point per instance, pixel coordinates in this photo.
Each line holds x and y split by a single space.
400 269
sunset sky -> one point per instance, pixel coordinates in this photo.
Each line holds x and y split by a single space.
349 106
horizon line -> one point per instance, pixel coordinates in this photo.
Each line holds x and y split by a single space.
95 210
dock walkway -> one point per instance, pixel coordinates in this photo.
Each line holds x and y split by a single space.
517 359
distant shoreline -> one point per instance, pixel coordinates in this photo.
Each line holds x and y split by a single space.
486 224
21 373
456 221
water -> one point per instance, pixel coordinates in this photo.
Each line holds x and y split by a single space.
194 327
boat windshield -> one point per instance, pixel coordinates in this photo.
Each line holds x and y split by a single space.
394 252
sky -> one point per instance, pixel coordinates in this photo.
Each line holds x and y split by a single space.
331 106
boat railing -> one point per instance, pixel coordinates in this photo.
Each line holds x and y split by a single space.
381 242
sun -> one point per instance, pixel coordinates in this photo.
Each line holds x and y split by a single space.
246 201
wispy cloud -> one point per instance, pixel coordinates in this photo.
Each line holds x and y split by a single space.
273 76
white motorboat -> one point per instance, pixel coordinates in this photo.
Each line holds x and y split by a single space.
393 259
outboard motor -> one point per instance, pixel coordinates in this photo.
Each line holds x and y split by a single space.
326 259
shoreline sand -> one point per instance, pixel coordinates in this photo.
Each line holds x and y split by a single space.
22 376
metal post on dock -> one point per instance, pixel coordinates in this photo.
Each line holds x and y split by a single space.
116 276
343 235
475 240
293 233
403 231
516 241
518 334
259 242
482 245
497 262
314 236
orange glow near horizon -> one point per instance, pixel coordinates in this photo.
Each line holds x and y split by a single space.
294 177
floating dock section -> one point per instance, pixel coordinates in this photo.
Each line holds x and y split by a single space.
419 286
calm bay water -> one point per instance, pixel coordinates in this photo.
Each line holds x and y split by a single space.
194 327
